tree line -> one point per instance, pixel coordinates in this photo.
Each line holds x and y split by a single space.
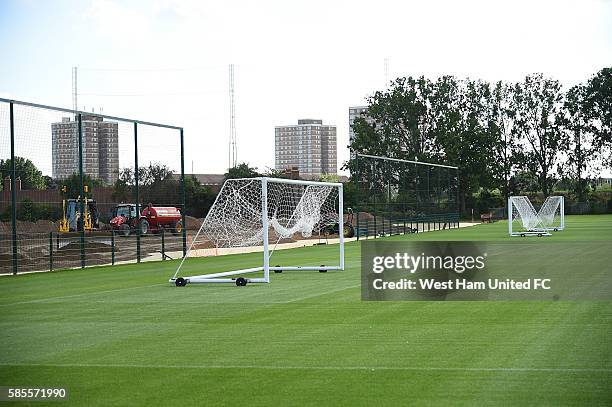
506 137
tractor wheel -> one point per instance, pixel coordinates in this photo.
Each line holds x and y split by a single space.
144 227
349 231
177 228
180 282
124 230
241 282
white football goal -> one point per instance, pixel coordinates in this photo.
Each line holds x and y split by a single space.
523 220
260 213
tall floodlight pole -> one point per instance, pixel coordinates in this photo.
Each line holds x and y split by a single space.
232 153
74 90
386 72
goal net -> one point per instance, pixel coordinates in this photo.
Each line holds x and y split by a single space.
552 213
523 220
261 213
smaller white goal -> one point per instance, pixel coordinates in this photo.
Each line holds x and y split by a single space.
252 214
523 220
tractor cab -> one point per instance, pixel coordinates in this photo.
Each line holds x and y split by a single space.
127 211
124 217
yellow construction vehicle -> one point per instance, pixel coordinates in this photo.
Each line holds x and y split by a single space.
63 226
87 219
70 221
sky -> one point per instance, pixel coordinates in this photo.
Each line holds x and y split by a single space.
167 60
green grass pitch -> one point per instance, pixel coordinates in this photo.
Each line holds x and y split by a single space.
123 336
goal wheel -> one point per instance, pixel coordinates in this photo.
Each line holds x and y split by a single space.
556 230
539 235
321 270
278 271
241 281
522 235
180 282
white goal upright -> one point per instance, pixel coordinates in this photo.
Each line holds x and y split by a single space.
523 220
263 212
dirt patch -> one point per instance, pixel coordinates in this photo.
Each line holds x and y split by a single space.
193 223
41 226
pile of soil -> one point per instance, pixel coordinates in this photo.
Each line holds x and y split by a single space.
40 226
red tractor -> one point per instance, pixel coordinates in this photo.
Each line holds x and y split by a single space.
152 219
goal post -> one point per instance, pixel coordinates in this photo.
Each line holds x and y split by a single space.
261 213
523 220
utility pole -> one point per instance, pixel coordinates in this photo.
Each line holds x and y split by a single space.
232 150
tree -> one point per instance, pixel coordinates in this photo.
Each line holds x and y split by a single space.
598 101
274 173
461 131
523 182
156 184
198 198
31 177
500 122
51 183
536 105
242 170
400 121
579 141
399 126
154 174
329 178
123 186
73 185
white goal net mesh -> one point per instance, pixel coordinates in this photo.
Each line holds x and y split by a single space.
294 211
524 212
549 217
550 213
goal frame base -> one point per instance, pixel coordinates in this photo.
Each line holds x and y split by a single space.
542 233
222 276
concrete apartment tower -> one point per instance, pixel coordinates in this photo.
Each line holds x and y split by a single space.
310 146
100 148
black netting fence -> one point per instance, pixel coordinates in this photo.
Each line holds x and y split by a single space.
399 196
81 189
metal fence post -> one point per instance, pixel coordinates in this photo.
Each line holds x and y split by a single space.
163 242
113 247
357 203
183 200
137 192
81 224
50 251
13 190
374 196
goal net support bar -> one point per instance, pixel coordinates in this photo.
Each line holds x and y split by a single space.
297 207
